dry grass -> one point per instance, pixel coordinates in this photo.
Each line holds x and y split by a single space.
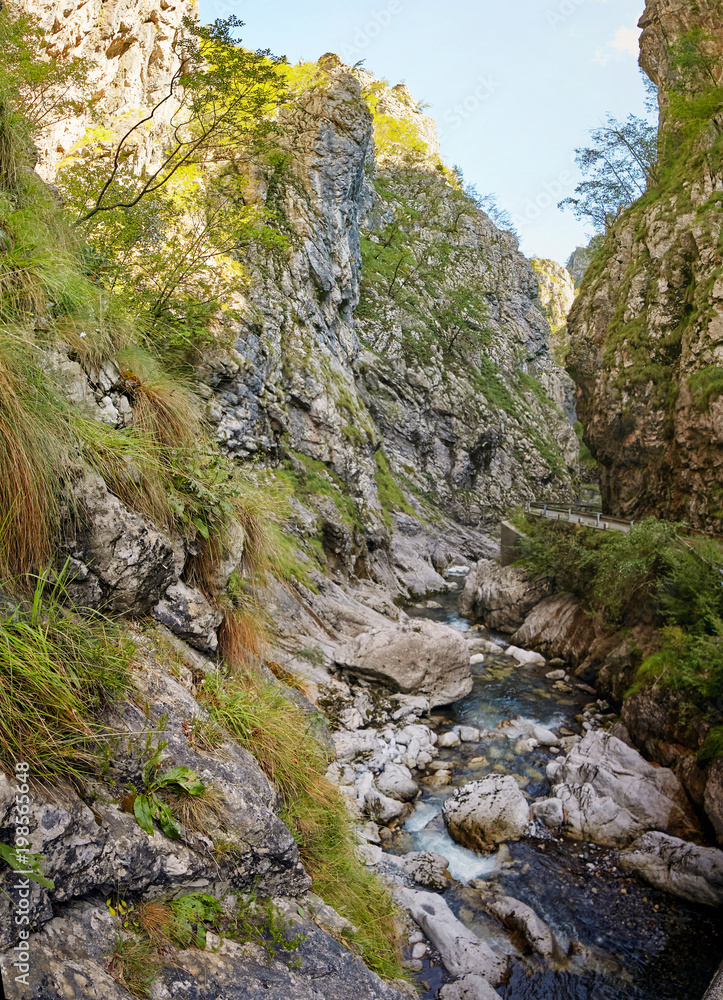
34 462
195 811
243 636
155 919
163 405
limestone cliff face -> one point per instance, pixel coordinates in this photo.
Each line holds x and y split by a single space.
347 386
461 434
130 47
647 327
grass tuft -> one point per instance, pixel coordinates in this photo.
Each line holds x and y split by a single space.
284 741
57 672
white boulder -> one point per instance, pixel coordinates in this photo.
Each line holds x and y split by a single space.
463 953
687 870
612 795
483 814
423 658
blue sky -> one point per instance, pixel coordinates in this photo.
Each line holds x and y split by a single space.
515 85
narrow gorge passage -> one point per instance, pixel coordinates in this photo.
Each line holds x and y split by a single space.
617 938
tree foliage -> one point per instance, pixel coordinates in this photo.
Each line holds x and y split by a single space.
618 167
224 98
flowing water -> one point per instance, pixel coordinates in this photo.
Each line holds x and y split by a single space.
618 937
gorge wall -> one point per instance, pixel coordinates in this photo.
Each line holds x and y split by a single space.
647 328
438 398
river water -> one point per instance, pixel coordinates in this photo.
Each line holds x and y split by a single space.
619 938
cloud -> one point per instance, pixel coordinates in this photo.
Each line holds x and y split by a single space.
625 43
627 40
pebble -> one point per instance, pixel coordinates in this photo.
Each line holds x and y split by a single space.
469 734
475 660
419 950
416 937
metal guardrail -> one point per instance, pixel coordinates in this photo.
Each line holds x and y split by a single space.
587 514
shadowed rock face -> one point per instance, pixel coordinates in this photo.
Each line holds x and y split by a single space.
647 328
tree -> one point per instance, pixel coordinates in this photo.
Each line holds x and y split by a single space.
225 99
620 164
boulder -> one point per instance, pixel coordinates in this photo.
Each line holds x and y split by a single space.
187 613
463 953
382 808
447 740
612 794
559 626
469 988
502 596
117 559
427 868
691 872
420 658
517 916
526 656
483 814
396 782
549 812
469 734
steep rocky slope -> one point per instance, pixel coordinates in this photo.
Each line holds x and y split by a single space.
458 425
376 395
646 329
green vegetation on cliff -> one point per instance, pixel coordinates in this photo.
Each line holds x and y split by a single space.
648 576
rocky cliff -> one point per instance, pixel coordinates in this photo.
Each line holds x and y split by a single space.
647 327
439 388
439 396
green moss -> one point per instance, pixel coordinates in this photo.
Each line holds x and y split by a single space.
706 385
390 495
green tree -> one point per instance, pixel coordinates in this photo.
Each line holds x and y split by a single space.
618 166
225 97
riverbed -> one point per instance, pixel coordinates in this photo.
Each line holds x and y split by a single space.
618 939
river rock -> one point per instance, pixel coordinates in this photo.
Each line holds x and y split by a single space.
687 870
382 808
545 737
469 988
424 658
612 794
502 596
447 740
469 734
350 746
550 812
427 868
483 814
523 919
463 953
526 656
396 782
